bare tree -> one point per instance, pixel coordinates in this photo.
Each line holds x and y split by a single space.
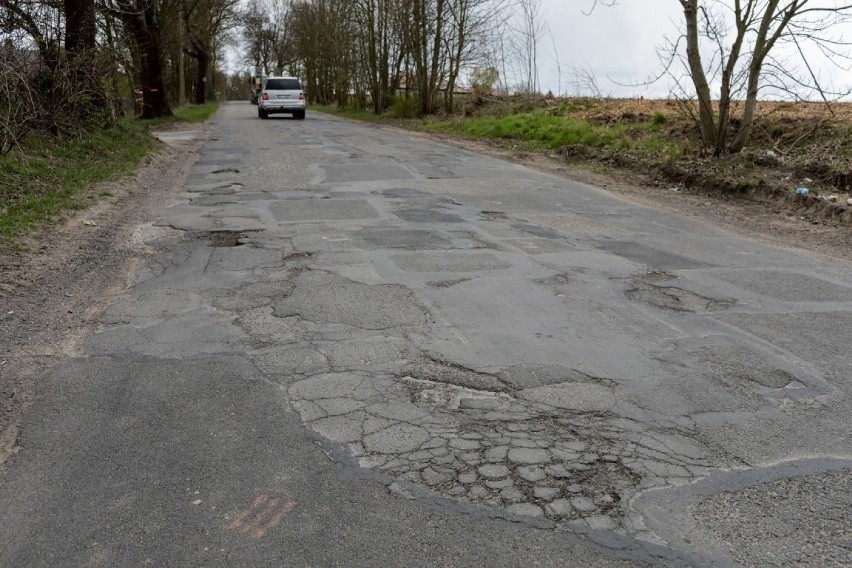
205 21
82 52
734 43
528 36
264 29
141 23
424 42
381 49
585 81
327 66
469 27
20 111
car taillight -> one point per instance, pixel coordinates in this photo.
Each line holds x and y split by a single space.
301 96
265 97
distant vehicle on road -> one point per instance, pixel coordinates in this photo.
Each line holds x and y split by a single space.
281 95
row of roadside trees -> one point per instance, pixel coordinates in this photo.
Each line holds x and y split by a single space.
364 52
69 65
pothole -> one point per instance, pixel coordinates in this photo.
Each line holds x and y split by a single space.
435 371
541 467
568 464
298 256
224 238
446 283
442 396
227 238
494 215
647 290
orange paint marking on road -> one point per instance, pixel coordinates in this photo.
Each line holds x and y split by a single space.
238 522
261 516
273 522
265 513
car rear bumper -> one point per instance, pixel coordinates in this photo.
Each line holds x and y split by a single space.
282 106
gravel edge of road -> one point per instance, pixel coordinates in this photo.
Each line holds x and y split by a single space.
57 288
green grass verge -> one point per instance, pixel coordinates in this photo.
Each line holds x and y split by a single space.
538 129
46 177
353 113
196 113
188 113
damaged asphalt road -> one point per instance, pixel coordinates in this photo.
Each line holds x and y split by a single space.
356 346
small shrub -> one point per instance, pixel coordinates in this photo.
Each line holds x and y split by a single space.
658 119
404 107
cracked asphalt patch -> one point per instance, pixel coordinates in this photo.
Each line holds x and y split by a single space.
554 449
577 363
326 297
383 356
465 355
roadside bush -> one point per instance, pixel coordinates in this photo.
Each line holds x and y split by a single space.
482 81
404 107
19 109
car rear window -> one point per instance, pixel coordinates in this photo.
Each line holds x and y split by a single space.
283 85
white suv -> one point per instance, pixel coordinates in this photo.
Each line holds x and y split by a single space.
281 94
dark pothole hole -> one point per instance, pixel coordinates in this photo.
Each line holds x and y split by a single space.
224 238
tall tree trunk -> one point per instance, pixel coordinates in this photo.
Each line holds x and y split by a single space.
764 42
141 21
89 100
706 115
79 25
201 77
154 102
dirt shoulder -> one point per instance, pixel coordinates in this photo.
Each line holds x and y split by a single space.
53 290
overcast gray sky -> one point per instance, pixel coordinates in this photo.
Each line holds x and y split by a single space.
619 43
